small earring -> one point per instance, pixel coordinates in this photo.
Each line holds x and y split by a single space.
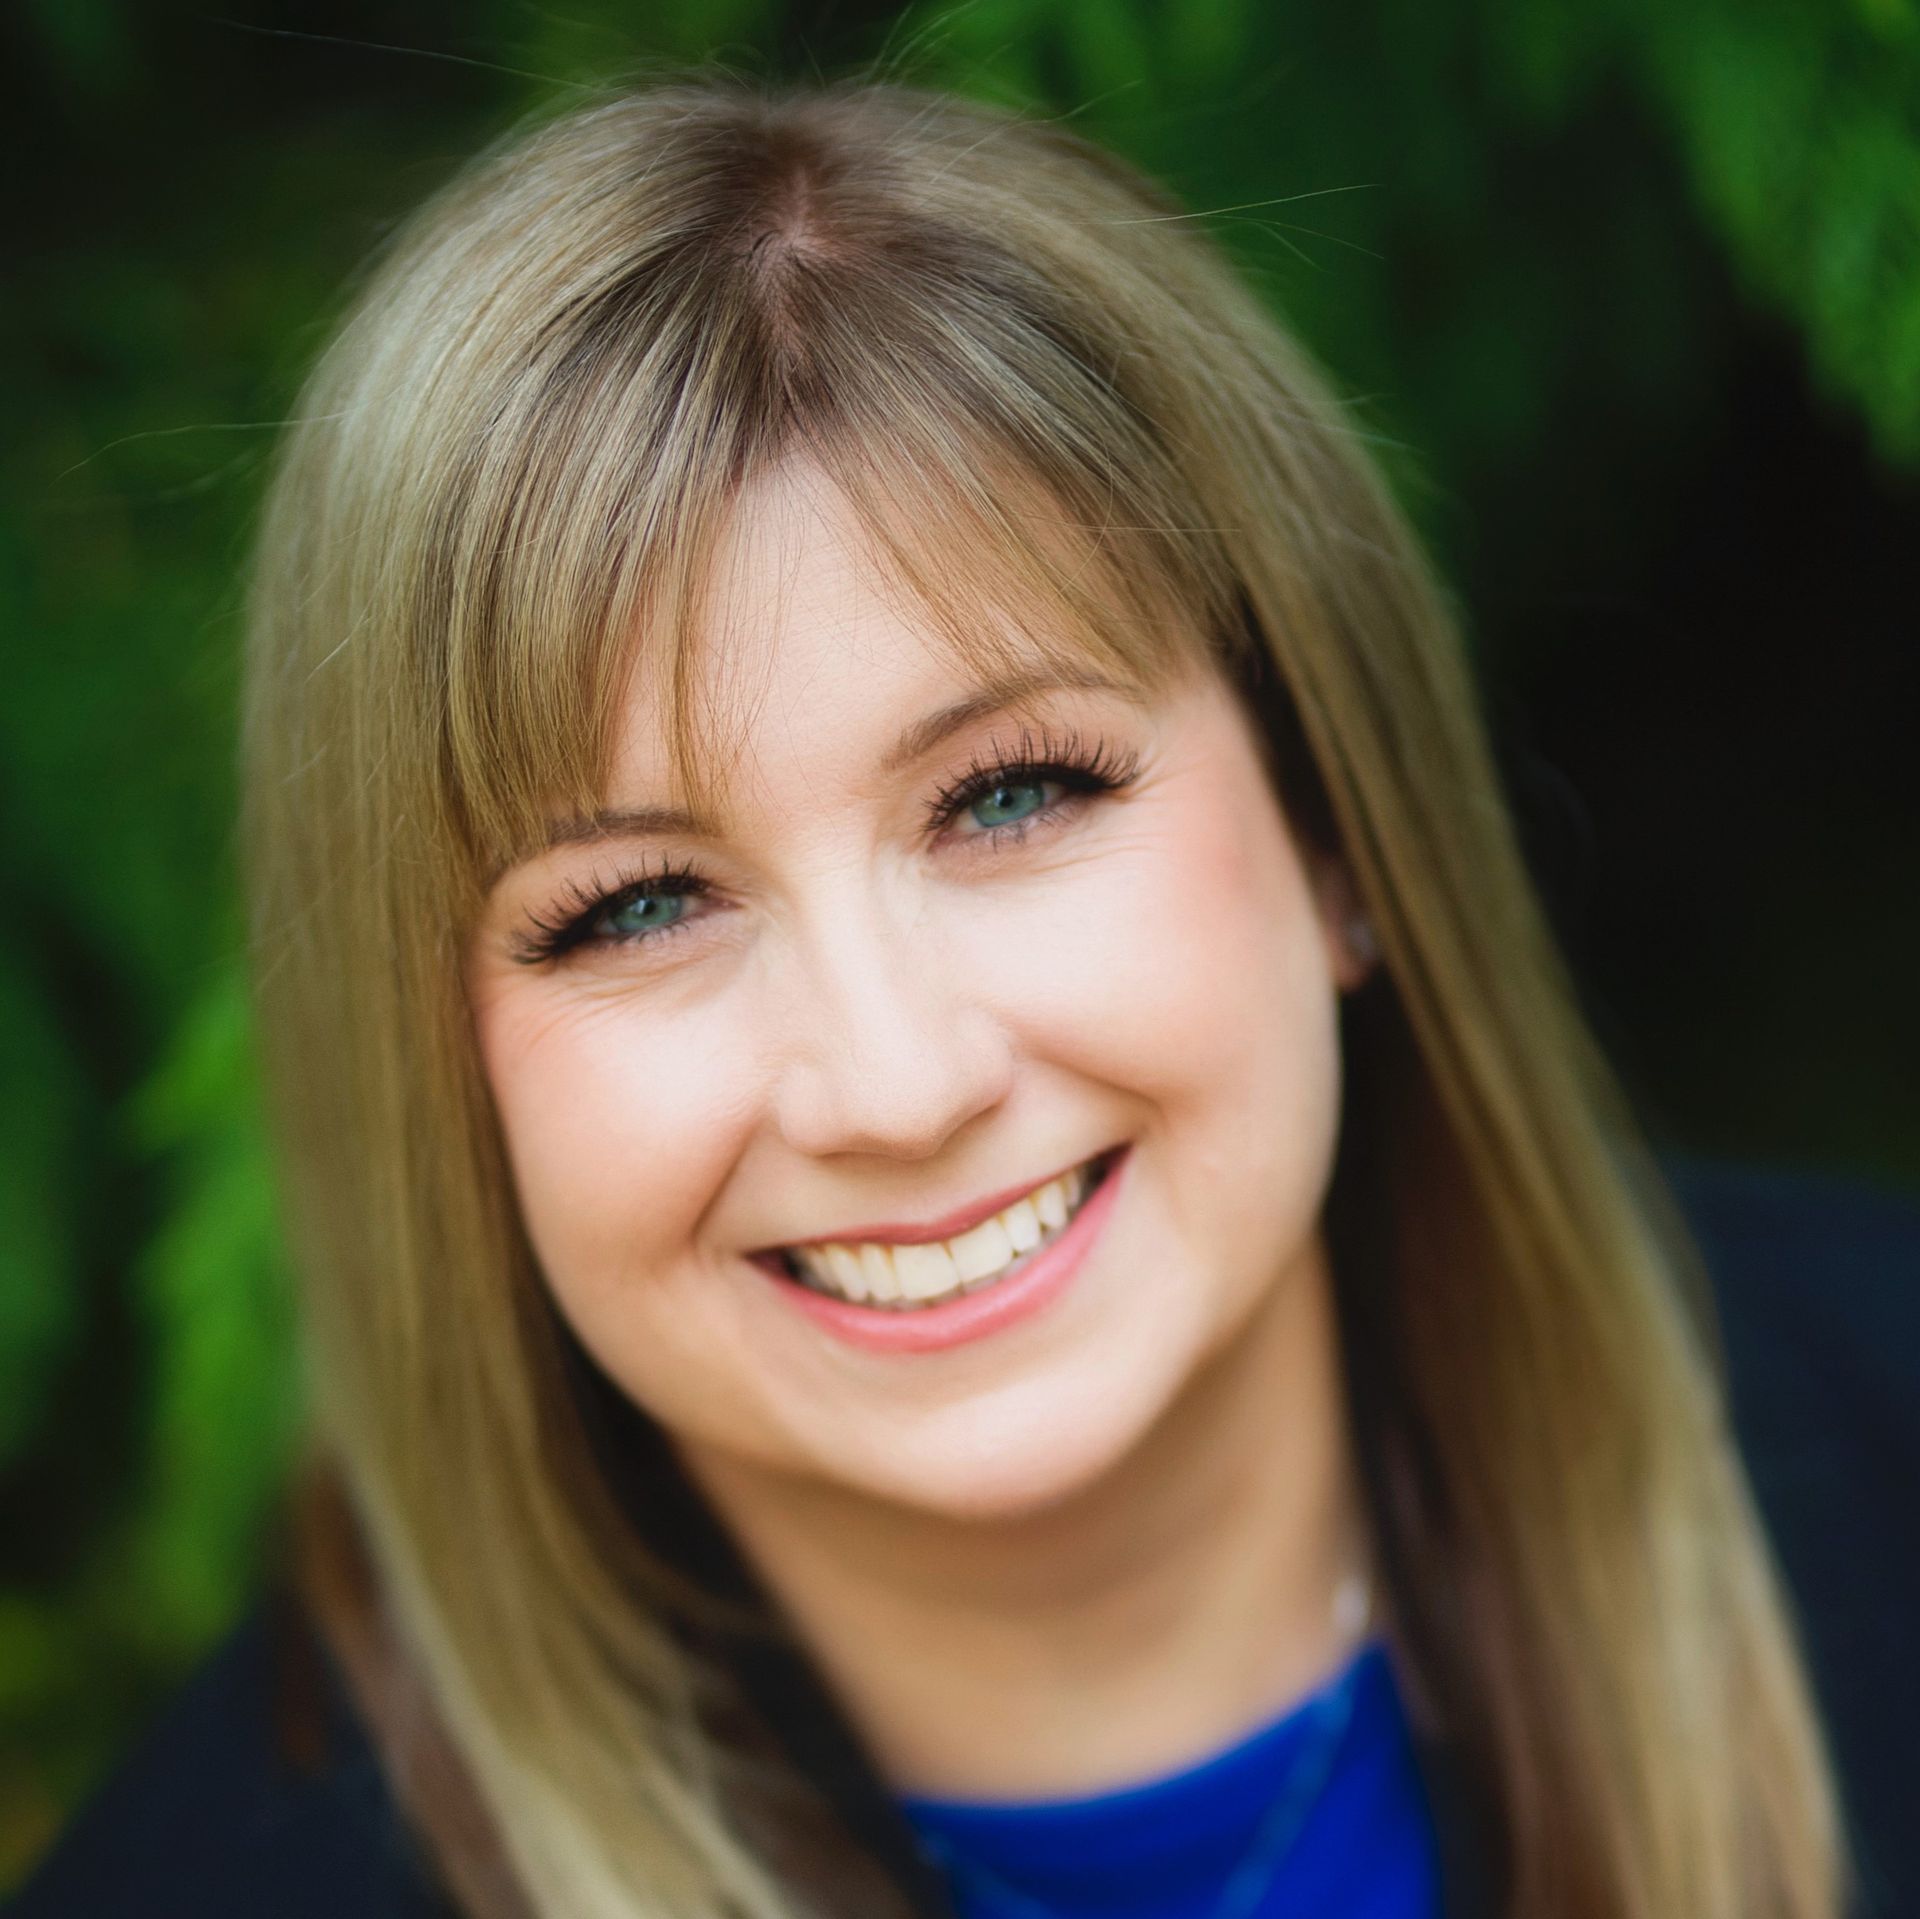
1362 941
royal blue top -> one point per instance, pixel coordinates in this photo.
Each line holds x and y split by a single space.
1318 1814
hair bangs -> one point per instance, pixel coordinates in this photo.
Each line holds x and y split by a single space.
581 533
1015 501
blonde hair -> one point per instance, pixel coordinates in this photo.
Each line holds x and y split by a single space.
513 458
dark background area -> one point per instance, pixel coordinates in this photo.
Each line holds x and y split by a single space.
1626 298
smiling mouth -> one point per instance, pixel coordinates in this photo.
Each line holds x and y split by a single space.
905 1278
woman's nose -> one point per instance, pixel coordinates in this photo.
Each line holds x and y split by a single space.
887 1053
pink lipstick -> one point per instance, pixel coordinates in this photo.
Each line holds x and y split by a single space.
1027 1288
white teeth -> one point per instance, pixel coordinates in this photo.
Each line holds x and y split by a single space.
886 1275
876 1264
848 1273
925 1270
1050 1202
1023 1226
982 1251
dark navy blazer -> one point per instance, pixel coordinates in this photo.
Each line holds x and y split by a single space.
1817 1284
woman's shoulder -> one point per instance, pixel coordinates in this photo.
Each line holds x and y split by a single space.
255 1791
1816 1286
1816 1290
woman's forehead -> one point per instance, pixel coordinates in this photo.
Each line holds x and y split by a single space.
809 622
798 556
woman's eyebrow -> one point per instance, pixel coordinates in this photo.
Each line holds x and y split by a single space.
996 697
919 739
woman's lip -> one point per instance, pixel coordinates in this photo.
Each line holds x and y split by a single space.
947 1226
926 1329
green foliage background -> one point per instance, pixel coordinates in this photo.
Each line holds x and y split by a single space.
1529 239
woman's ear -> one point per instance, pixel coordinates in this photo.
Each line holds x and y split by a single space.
1353 947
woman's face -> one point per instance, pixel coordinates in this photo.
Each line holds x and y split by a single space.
889 993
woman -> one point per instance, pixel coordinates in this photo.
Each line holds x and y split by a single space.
954 1221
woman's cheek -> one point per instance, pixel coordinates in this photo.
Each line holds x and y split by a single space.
609 1120
1087 948
1216 1005
1184 942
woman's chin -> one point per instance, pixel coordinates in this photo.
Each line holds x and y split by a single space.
1009 1463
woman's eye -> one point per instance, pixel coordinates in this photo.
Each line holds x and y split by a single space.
636 915
1009 802
1042 781
648 913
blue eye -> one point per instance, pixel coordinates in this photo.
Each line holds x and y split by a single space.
644 910
1007 800
1005 792
645 913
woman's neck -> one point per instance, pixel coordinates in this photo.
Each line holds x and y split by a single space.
1154 1617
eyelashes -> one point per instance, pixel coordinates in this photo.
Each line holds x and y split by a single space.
580 909
1083 768
1068 759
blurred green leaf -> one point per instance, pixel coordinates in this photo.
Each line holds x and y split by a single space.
219 1315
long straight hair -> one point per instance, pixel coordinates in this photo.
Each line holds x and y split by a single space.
1046 395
